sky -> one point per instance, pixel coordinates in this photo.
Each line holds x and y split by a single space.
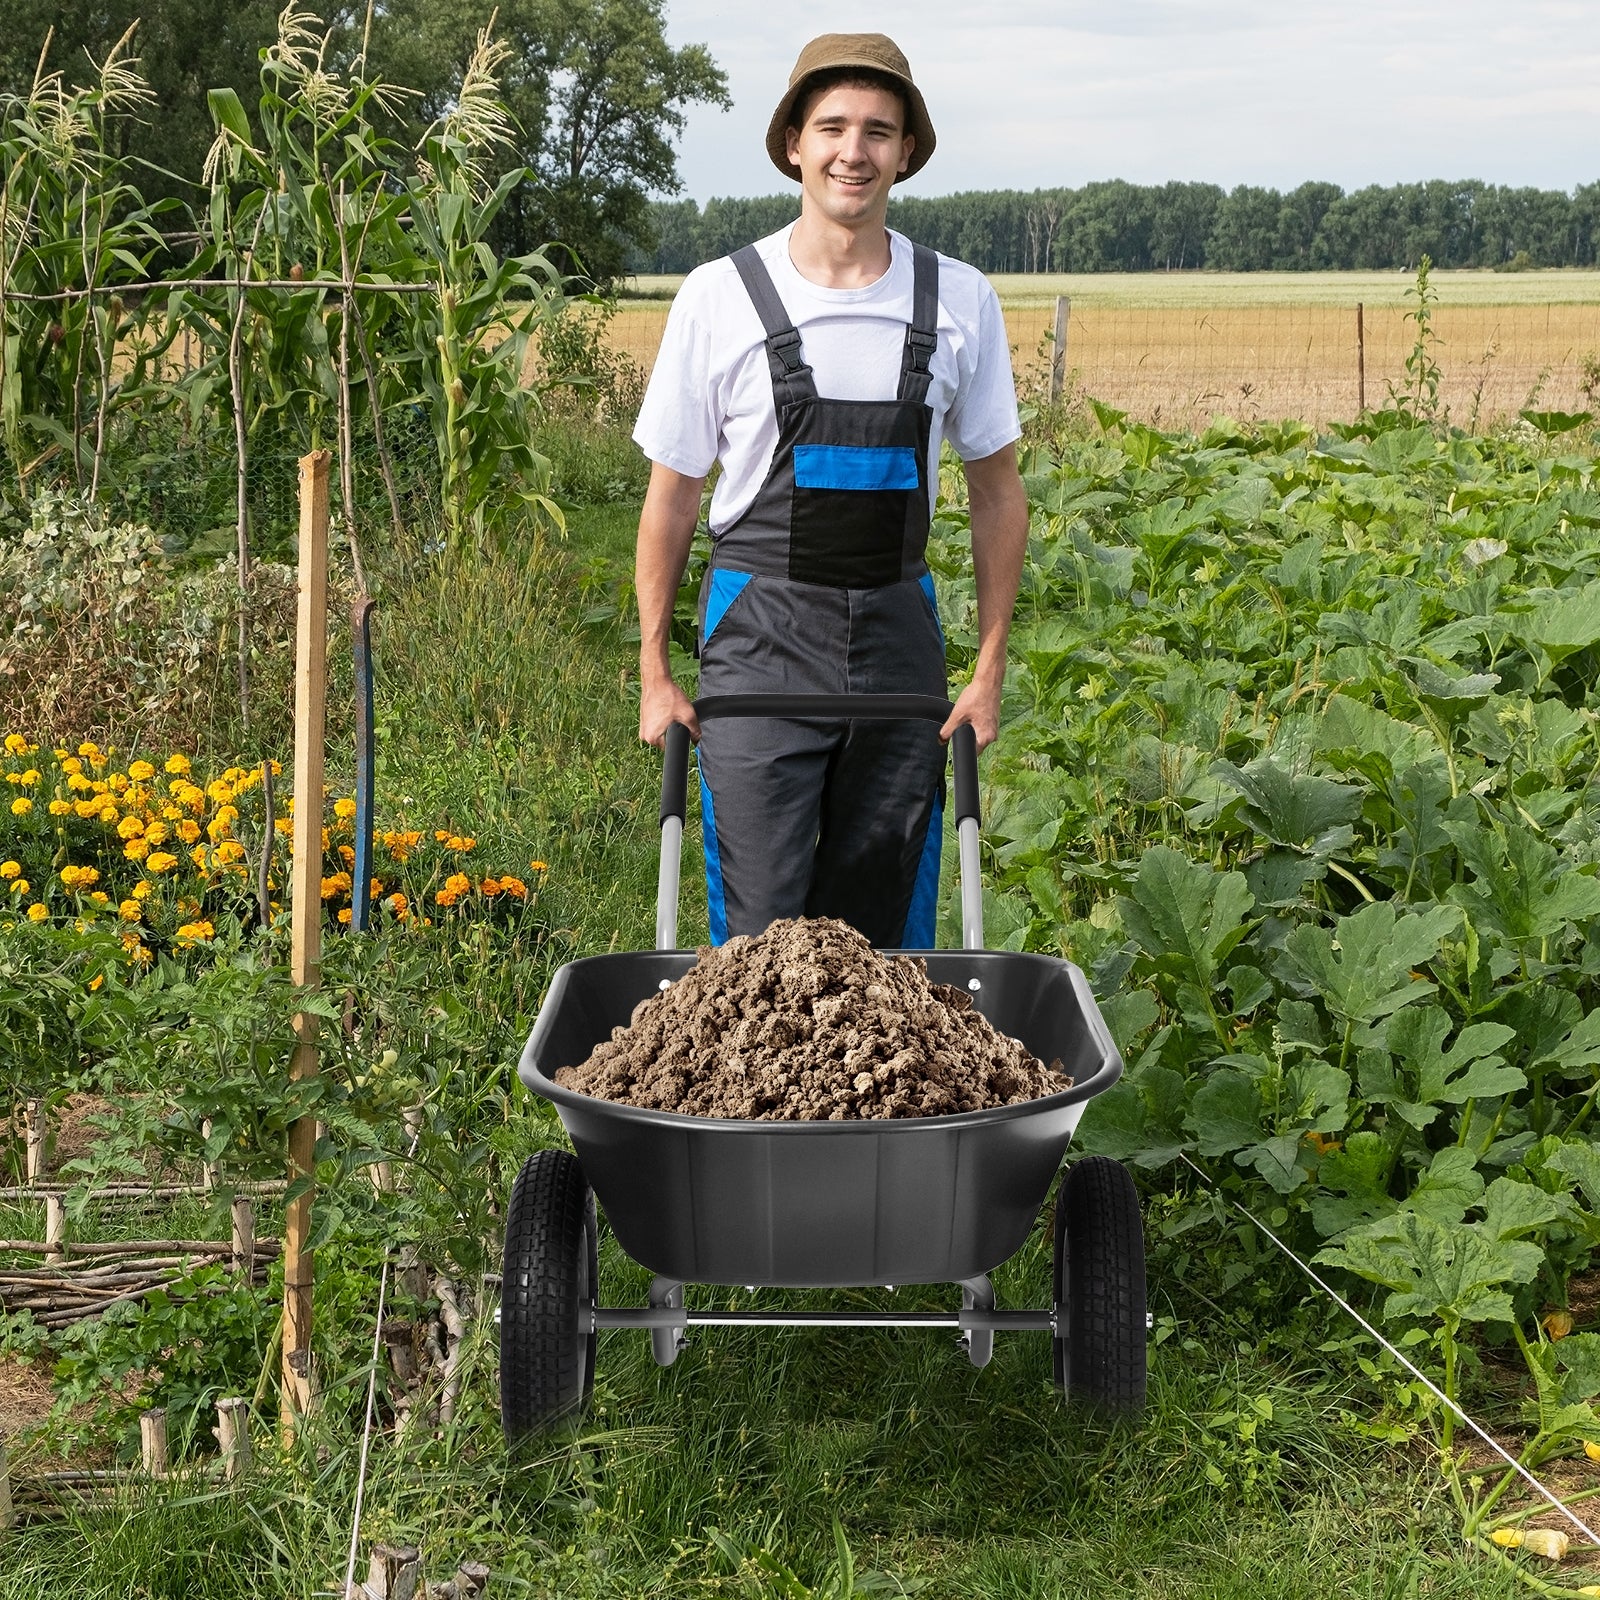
1035 94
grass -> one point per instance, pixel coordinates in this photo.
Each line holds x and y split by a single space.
508 701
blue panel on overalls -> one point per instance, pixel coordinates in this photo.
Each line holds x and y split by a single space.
821 586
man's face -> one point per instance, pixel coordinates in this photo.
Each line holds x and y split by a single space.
849 151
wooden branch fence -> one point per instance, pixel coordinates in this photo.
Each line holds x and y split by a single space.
394 1571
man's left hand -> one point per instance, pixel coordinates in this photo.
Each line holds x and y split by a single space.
978 704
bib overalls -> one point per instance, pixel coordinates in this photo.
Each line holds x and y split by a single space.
821 587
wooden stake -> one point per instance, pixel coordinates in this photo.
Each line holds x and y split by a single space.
305 949
208 1171
233 1434
8 1516
244 1236
1058 350
33 1118
1361 359
153 1441
393 1572
55 1226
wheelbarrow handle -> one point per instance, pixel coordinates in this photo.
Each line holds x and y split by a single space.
832 708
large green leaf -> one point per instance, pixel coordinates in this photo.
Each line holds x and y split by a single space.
1184 915
1289 808
1225 1115
1438 1272
1523 888
1362 968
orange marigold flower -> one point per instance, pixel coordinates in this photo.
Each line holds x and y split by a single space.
60 808
21 806
229 851
490 887
157 833
160 861
96 981
16 745
446 897
344 915
109 815
514 887
398 903
136 849
538 866
141 890
21 886
37 912
336 884
130 828
141 771
458 883
130 911
344 809
194 933
100 897
88 748
347 855
177 763
29 778
441 834
72 766
10 869
198 856
189 830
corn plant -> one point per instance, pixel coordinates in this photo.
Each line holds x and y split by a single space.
468 341
72 224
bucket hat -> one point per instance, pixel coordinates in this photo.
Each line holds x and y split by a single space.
873 52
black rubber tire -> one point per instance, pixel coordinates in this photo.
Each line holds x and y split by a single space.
1101 1341
547 1342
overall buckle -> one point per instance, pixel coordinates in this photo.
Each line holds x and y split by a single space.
786 346
920 347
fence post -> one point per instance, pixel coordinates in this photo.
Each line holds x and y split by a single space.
233 1435
393 1572
8 1515
33 1119
153 1441
244 1236
55 1226
311 674
1058 350
1361 359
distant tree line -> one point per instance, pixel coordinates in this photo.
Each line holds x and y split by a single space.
1130 227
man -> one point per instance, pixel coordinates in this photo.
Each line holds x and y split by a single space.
822 367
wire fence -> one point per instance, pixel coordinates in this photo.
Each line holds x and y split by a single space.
1178 366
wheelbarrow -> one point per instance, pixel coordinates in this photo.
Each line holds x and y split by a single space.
811 1205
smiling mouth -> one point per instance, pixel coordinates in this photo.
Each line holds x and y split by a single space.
848 181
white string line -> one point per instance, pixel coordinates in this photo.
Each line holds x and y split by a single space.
366 1427
1410 1366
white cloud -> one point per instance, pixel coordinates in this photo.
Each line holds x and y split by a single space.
1044 92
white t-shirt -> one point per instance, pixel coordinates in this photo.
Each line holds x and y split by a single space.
710 393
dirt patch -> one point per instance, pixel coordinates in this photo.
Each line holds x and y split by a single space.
808 1023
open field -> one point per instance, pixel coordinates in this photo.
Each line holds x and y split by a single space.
1558 286
1179 348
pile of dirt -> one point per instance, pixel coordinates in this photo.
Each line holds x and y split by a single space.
808 1023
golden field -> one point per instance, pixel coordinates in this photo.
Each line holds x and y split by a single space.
1180 347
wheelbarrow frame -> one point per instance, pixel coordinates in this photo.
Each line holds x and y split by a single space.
729 1238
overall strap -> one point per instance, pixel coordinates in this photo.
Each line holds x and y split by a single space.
922 337
791 377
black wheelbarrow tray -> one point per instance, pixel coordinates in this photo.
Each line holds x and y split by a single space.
810 1205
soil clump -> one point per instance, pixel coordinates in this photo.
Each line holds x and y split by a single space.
808 1023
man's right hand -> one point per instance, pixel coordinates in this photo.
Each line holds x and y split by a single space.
660 705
